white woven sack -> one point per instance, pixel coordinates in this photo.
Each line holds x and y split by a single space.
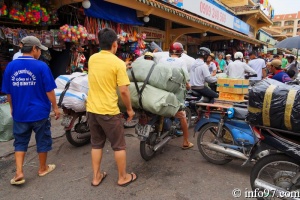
72 99
79 84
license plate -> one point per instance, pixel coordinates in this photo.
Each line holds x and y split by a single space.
66 121
142 130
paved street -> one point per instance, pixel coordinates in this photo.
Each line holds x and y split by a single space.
174 174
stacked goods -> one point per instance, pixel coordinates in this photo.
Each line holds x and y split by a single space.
79 82
232 89
162 77
164 91
76 93
187 59
72 99
154 100
274 104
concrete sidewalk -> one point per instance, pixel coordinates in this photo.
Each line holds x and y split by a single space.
7 148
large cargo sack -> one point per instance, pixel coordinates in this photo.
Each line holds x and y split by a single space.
72 99
6 123
162 77
79 82
188 59
154 100
274 104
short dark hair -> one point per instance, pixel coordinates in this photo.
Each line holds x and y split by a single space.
107 37
290 57
26 49
291 73
276 56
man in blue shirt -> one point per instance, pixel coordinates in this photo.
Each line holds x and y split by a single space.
279 74
29 86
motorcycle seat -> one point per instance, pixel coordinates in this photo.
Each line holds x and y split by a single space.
240 113
196 94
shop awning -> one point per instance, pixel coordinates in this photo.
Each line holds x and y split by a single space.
112 12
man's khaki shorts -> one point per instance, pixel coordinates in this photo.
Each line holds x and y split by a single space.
106 126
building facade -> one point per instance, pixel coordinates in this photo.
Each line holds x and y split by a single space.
288 24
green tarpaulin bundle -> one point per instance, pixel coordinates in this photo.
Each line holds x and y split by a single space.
6 123
154 100
163 77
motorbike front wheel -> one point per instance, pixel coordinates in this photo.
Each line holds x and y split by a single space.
208 133
72 137
277 170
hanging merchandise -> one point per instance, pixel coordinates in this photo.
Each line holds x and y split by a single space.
16 12
73 33
92 26
3 8
78 60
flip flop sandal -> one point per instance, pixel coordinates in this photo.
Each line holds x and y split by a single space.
17 182
187 147
132 180
51 167
104 174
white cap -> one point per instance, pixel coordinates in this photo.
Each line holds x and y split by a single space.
228 55
238 55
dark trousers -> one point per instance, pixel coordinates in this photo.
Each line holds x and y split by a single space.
206 92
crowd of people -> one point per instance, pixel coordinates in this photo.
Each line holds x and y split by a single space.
107 73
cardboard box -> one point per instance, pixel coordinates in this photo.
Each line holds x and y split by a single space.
234 86
231 97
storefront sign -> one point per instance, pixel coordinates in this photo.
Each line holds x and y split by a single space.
182 39
193 41
209 11
152 33
266 38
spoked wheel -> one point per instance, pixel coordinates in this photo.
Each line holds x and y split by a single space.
208 133
188 116
146 147
73 139
277 170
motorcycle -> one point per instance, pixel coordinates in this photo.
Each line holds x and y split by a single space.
223 133
278 173
193 97
154 132
76 128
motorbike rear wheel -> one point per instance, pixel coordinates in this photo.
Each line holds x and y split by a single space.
208 134
188 116
275 169
72 137
146 147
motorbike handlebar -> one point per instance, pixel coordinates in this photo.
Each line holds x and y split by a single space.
248 76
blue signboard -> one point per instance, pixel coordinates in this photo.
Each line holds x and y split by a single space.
240 26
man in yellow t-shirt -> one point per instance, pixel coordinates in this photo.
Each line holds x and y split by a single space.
107 73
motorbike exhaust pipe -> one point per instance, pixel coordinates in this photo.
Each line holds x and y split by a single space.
162 143
83 135
224 150
276 191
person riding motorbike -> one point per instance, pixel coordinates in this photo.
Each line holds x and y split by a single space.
200 74
174 60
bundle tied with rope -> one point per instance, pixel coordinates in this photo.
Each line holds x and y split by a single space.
155 88
274 104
